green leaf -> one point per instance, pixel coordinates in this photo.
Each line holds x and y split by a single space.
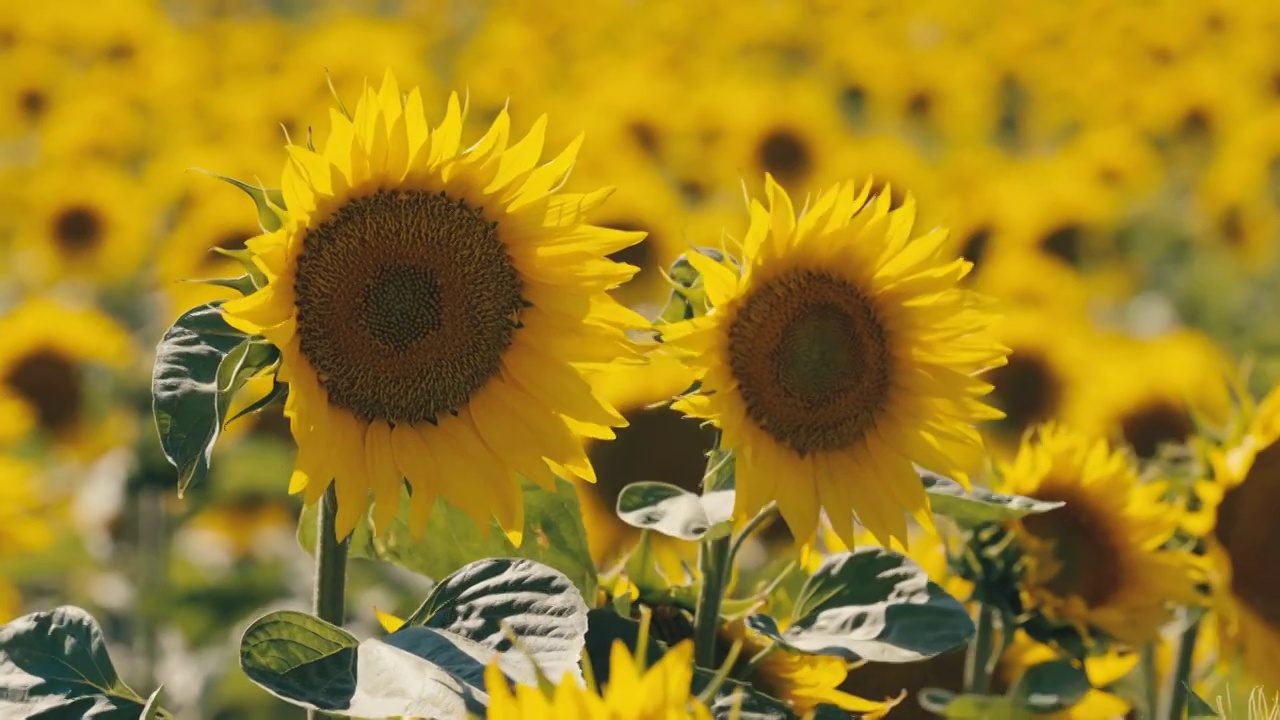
948 497
673 511
737 700
553 536
302 659
1198 708
872 604
200 364
1051 687
268 201
277 392
244 284
54 666
152 711
490 599
968 707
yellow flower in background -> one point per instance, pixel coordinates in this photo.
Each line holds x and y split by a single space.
26 525
209 222
46 358
1149 391
1101 560
1102 671
1239 523
435 307
657 445
659 692
802 681
840 354
84 220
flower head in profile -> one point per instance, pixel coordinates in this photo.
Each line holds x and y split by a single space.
841 351
435 306
1103 560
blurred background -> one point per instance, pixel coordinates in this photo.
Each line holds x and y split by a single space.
1113 169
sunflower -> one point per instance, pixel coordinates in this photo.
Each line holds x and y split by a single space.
658 444
843 353
1238 522
1150 392
87 221
659 692
1101 561
44 388
802 681
435 308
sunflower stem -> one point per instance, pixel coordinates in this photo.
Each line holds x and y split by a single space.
712 559
977 667
758 659
329 600
1150 680
1176 694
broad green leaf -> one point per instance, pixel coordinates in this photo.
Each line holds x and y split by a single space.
871 604
302 659
1051 687
490 600
948 497
200 364
54 666
553 536
604 628
673 511
424 672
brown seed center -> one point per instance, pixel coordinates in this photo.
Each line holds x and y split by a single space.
51 384
78 229
811 359
1248 531
1088 564
406 302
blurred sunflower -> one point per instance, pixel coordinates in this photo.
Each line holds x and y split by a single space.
1238 521
31 82
659 692
1152 391
647 204
802 681
1102 560
48 350
1044 374
658 444
88 221
208 223
26 526
843 351
434 307
242 524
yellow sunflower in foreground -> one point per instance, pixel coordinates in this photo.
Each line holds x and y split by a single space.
1102 559
660 692
435 307
802 681
1244 541
842 352
47 351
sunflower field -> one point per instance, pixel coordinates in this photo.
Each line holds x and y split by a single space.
639 359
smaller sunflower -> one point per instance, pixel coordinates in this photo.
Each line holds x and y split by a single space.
660 692
802 681
1239 525
1101 561
83 221
658 444
842 352
47 351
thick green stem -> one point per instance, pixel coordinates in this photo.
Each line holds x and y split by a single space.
978 662
153 564
329 600
1150 681
1176 693
713 561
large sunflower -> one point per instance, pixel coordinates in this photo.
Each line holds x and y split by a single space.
840 354
658 444
434 307
1102 560
48 350
1239 520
